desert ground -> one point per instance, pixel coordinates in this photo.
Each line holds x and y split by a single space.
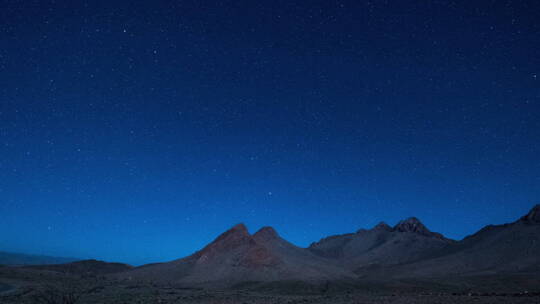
19 285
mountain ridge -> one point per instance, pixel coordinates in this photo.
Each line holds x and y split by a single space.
409 249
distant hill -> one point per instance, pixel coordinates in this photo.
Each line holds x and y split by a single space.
85 267
10 258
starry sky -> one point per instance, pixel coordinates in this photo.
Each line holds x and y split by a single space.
137 131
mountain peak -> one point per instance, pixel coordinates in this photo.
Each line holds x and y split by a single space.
382 226
239 227
411 224
533 216
265 234
414 225
233 235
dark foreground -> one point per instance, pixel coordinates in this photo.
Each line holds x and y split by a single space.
22 285
128 294
5 288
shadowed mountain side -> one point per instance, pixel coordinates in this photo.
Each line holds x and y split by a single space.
408 241
380 255
236 256
495 249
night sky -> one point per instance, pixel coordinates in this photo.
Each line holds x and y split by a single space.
137 131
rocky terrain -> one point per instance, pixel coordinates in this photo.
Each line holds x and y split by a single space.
383 245
237 256
406 263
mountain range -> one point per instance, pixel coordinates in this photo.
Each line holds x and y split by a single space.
406 252
409 250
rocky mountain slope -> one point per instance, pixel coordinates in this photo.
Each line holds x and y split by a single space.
408 241
237 256
407 250
495 249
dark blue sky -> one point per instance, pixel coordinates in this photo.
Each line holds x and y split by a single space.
137 131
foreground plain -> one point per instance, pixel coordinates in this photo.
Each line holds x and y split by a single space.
27 285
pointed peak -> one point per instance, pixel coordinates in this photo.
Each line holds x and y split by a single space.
266 233
267 229
414 225
237 231
239 227
382 226
236 236
411 224
533 216
411 219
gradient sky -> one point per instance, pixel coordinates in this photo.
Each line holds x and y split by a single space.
137 131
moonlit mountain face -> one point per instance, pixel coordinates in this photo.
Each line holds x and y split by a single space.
237 256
